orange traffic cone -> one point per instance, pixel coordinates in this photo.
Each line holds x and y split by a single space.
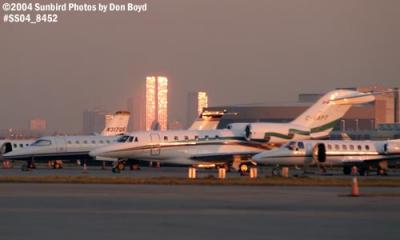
354 187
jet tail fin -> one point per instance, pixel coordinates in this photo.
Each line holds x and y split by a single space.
208 120
116 124
322 116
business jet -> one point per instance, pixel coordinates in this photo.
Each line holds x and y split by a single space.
333 153
57 148
65 147
237 143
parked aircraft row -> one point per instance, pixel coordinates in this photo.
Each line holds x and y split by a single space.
239 145
59 145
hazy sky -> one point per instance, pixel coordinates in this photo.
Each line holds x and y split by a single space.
237 51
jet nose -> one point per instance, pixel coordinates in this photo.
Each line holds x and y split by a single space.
15 155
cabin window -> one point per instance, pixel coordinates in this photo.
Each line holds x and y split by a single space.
186 138
108 141
165 138
300 145
329 147
196 137
69 142
21 145
93 142
77 142
26 145
101 141
216 136
15 145
206 137
359 147
337 147
344 147
84 141
176 138
367 147
136 139
351 147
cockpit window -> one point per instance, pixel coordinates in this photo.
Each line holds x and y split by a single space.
291 145
130 139
41 142
123 138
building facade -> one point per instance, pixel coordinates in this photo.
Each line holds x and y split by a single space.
196 102
156 103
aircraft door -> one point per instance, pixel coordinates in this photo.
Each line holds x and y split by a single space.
155 140
60 144
319 153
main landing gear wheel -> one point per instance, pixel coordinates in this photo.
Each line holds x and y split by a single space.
118 167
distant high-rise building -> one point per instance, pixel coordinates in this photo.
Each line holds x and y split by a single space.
136 106
38 124
93 121
196 102
156 102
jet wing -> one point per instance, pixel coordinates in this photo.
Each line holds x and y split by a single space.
375 159
222 157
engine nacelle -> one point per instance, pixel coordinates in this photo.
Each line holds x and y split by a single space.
392 147
275 133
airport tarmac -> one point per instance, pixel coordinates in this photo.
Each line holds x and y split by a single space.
69 170
80 211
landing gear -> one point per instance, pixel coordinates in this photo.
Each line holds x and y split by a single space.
134 167
29 165
118 167
276 171
57 164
